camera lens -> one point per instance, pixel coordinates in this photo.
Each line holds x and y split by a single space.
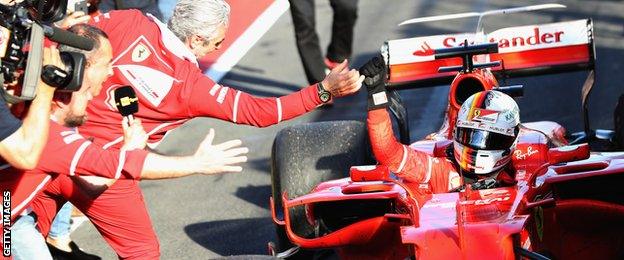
47 11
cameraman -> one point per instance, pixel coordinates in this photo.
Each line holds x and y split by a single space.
22 142
38 194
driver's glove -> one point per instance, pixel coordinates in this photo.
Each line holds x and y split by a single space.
375 72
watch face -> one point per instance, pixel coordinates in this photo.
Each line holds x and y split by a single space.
324 96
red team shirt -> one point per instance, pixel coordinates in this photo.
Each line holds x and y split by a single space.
171 87
67 152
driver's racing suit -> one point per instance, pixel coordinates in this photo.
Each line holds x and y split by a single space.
421 171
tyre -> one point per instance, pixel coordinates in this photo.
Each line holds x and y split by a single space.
304 156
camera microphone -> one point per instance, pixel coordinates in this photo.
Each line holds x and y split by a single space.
126 102
68 38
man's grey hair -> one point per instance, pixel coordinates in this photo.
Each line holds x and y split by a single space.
201 17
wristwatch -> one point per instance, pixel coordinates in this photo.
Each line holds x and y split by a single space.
323 94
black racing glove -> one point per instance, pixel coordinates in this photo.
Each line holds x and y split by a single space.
375 72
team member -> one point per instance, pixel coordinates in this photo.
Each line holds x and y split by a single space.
70 155
160 62
340 46
482 146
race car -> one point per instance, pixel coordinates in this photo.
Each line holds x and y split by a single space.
328 192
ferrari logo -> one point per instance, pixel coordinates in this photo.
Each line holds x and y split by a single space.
140 53
484 115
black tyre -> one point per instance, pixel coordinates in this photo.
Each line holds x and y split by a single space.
308 154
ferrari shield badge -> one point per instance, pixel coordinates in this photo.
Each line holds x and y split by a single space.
485 115
140 53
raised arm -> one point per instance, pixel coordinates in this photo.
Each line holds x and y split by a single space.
407 163
23 148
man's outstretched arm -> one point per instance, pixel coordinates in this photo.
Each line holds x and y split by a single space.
208 159
207 98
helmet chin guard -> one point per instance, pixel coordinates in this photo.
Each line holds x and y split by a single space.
480 161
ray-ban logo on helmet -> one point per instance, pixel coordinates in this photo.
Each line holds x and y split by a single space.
484 115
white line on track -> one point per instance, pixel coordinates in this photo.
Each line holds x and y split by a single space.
242 44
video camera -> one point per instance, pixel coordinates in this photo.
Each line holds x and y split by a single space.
22 30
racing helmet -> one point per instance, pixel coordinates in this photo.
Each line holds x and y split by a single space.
486 132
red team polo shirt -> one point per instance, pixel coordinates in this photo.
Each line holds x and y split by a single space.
70 153
170 86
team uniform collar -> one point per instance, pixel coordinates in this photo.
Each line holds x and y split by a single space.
172 43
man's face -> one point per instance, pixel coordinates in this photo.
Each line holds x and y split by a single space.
202 47
98 69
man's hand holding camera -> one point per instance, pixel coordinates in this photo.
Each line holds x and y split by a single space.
23 148
51 56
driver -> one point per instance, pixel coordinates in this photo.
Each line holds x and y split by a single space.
484 136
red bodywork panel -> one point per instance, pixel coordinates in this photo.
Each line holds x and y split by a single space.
485 224
567 203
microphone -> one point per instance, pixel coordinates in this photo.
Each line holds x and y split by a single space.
126 102
68 38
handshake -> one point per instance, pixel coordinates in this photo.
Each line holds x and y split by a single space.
375 73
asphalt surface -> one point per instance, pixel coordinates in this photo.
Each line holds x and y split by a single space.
203 217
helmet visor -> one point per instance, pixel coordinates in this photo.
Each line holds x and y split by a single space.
483 140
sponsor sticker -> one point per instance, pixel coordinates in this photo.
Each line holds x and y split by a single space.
510 40
520 155
486 127
153 84
380 98
485 115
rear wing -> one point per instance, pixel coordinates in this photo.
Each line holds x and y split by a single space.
523 50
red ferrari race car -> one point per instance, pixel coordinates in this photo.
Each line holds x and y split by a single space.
567 203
